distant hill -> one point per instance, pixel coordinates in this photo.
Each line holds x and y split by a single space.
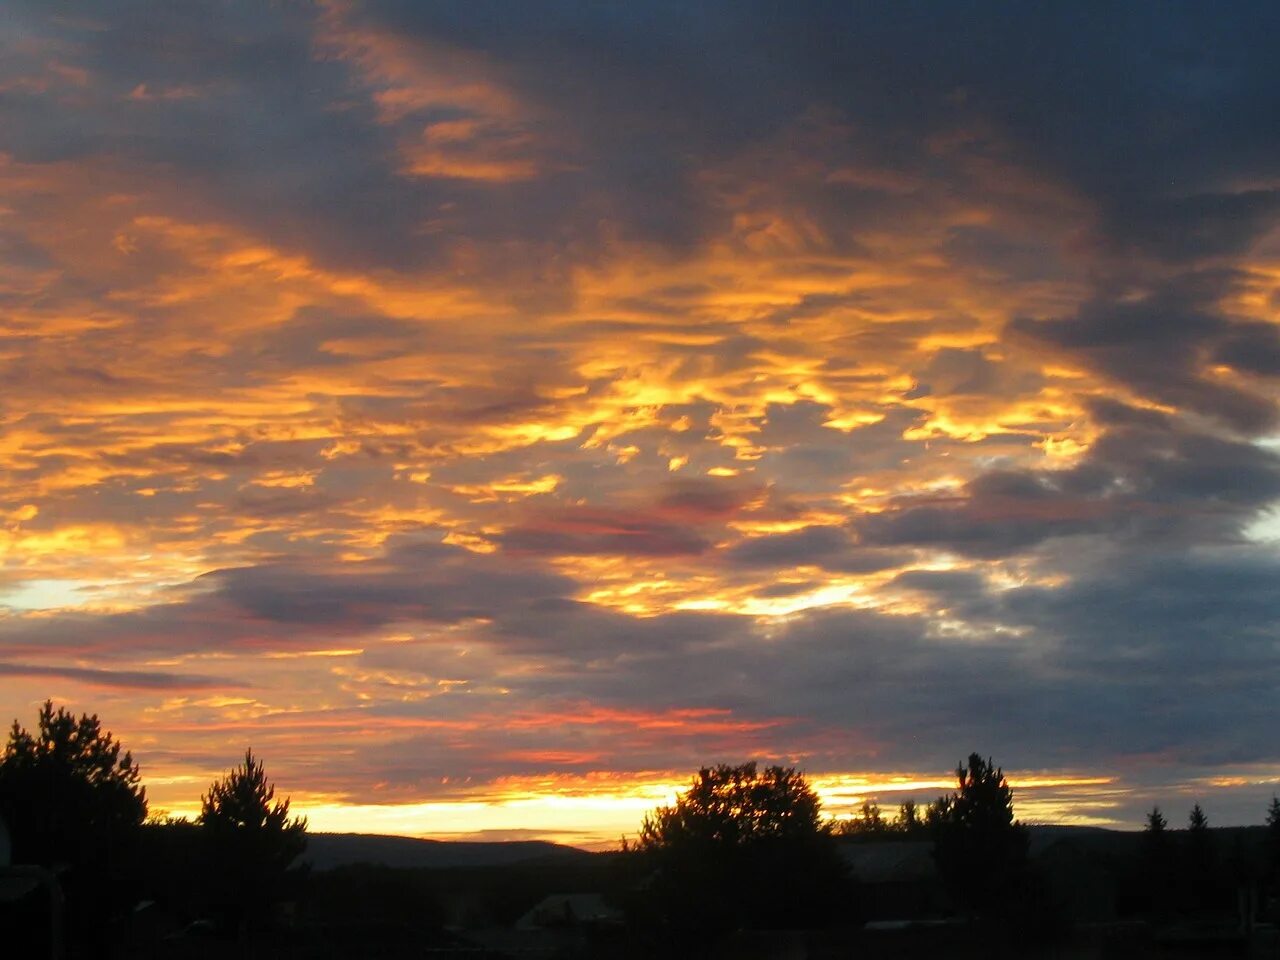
327 850
1101 841
1042 835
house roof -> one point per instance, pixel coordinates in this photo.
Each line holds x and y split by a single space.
890 861
560 908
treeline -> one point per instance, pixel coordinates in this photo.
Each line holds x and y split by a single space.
742 848
909 822
1187 870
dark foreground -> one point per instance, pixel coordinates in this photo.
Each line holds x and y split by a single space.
394 898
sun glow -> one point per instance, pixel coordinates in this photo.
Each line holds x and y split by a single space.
594 811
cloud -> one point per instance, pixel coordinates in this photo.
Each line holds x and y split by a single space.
1147 478
123 679
1198 227
1159 346
583 532
578 390
830 548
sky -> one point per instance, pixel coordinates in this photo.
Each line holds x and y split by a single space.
492 412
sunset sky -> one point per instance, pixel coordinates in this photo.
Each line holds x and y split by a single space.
489 412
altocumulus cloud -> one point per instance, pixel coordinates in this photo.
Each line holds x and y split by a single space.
581 391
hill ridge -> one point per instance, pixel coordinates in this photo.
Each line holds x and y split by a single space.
328 850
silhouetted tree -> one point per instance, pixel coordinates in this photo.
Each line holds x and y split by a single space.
869 823
939 812
73 799
908 820
1199 861
1157 863
1273 817
1197 821
871 817
172 853
1273 831
740 846
981 851
1273 843
250 841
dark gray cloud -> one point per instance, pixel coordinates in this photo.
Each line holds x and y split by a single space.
1251 348
1148 112
1161 345
123 679
249 121
595 531
1144 110
703 499
1124 661
1193 228
812 545
1149 478
954 372
287 606
418 581
1158 641
829 548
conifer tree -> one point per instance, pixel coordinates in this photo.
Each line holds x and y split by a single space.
1199 870
251 842
1273 830
1273 843
980 849
72 797
1197 820
1157 863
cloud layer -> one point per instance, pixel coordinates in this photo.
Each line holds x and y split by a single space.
446 399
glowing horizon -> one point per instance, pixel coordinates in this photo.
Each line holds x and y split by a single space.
595 812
